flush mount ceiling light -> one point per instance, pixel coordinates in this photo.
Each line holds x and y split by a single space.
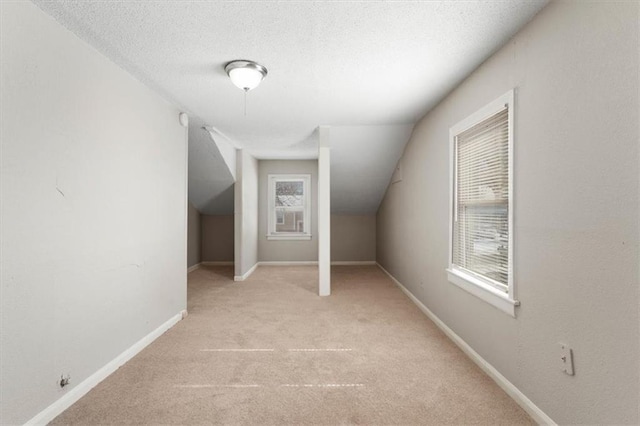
245 74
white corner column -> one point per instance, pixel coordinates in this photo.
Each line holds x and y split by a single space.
324 212
237 216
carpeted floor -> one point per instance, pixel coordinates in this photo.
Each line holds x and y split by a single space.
269 351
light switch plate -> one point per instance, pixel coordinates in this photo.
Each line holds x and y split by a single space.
566 359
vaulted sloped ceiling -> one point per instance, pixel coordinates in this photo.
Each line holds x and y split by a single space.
210 180
340 64
363 160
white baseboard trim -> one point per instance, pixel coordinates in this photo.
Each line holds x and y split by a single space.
74 394
315 262
246 274
288 263
521 399
194 267
273 263
300 263
218 263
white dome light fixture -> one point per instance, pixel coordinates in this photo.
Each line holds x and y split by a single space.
245 74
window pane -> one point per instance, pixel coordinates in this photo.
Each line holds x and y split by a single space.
290 194
288 203
292 220
482 241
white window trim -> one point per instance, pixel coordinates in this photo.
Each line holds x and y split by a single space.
466 280
271 203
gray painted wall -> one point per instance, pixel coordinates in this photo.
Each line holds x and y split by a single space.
353 238
575 69
194 237
93 211
217 238
270 250
246 213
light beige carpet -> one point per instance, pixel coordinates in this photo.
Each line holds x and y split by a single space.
269 351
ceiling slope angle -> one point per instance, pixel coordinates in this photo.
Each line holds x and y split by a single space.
330 63
363 159
210 178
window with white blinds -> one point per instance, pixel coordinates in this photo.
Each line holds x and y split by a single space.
481 222
481 188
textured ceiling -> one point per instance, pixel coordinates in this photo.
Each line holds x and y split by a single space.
330 63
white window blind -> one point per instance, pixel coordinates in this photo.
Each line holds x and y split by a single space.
481 200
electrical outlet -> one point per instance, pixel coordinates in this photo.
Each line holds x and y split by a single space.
566 359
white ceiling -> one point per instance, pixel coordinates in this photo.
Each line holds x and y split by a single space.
347 63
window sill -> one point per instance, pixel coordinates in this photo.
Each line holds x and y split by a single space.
289 237
489 294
